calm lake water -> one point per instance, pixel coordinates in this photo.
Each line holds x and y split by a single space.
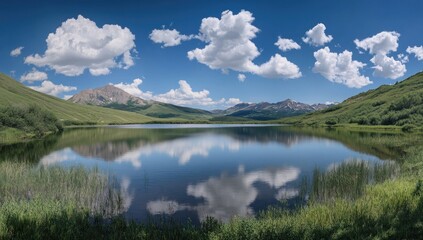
195 171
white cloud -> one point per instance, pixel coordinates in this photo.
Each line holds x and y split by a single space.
99 71
380 45
403 58
133 89
387 67
317 36
340 68
168 38
233 101
277 67
229 46
34 75
241 77
16 52
50 88
127 60
184 95
78 44
417 51
285 44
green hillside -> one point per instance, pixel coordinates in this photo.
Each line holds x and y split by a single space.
400 104
15 93
164 111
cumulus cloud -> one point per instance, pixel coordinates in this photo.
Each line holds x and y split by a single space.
168 37
380 45
340 68
233 101
285 44
387 67
279 66
317 36
50 88
184 95
16 52
229 47
34 75
417 51
78 44
241 77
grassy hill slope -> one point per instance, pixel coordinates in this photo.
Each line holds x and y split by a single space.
165 111
400 104
13 92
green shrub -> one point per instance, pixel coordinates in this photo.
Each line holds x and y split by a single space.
407 128
30 119
331 122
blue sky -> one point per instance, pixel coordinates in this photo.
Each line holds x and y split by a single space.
118 47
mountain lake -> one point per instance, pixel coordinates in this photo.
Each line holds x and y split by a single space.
189 172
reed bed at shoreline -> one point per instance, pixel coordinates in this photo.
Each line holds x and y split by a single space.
88 189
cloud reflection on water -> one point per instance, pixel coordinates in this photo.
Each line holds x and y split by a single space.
228 196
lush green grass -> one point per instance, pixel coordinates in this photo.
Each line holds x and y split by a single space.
12 135
400 104
392 210
13 92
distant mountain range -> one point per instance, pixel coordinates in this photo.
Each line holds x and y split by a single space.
269 111
112 97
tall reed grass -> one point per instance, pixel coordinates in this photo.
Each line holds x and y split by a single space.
349 179
88 189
